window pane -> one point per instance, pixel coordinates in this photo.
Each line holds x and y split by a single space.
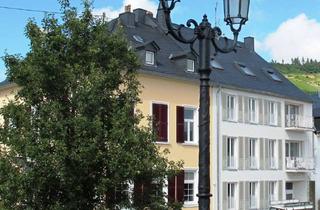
188 114
149 57
190 65
185 131
189 186
289 186
189 176
231 107
191 131
294 150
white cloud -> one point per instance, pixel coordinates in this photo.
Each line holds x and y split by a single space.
296 37
110 12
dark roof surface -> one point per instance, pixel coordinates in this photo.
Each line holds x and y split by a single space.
4 82
316 105
230 76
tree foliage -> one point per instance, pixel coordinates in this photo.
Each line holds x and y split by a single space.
71 140
307 65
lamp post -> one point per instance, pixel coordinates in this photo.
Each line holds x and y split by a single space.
235 15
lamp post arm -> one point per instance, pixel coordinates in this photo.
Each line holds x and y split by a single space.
176 32
227 48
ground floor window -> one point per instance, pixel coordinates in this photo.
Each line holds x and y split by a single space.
189 186
289 191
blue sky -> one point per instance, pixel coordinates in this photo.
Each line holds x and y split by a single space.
282 28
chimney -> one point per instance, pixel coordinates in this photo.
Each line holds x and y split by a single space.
160 17
127 19
249 43
140 15
127 8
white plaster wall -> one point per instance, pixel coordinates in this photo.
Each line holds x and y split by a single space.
221 128
299 189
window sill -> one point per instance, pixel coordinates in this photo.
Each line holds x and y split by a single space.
273 168
230 120
162 143
190 205
273 125
190 144
254 169
150 65
231 169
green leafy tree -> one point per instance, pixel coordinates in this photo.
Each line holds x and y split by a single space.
70 139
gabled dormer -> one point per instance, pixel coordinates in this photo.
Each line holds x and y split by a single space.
147 51
186 60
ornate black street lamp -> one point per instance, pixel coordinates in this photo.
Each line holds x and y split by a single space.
235 15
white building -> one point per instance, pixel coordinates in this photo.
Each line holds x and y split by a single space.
265 150
263 143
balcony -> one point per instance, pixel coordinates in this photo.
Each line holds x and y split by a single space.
299 164
298 122
290 204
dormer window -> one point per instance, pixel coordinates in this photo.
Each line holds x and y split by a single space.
273 75
138 38
244 69
190 65
215 64
149 58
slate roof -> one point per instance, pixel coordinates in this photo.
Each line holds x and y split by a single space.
316 105
4 83
151 29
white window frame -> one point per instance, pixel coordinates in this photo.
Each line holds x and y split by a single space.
195 187
290 191
292 119
272 116
187 139
272 191
151 60
231 108
300 146
253 110
190 61
231 199
253 153
273 153
253 195
231 158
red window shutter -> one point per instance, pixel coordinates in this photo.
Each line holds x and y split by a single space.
172 189
180 187
160 122
164 123
156 118
180 124
176 188
138 191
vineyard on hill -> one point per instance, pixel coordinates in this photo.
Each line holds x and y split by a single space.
305 74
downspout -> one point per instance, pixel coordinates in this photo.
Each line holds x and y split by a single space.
218 107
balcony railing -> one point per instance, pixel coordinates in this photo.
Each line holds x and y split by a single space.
294 121
299 163
290 204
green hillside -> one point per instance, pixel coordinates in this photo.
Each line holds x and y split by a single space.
305 76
